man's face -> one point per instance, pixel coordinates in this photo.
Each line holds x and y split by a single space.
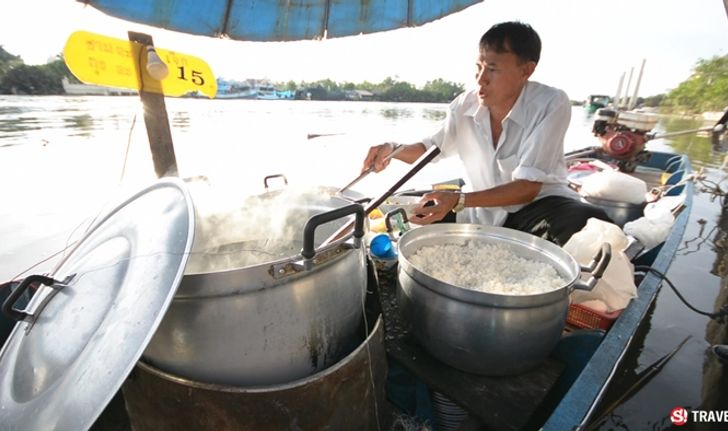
501 77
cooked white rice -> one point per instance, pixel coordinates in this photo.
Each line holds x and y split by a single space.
485 267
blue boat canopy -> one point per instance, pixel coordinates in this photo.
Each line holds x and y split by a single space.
279 20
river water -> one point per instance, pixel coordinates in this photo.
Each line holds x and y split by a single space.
64 159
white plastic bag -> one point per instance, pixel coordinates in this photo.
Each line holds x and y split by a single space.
616 287
652 229
615 186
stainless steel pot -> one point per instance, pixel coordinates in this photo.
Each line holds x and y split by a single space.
257 310
486 333
348 395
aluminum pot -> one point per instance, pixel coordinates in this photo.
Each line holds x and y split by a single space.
349 395
260 306
487 333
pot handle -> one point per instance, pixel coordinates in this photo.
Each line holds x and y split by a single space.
596 268
308 251
7 307
270 177
388 220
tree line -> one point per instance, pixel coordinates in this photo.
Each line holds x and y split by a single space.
705 90
389 90
16 77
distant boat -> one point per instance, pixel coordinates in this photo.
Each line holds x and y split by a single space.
267 92
92 90
235 90
596 101
250 89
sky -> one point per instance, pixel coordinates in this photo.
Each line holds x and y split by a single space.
587 44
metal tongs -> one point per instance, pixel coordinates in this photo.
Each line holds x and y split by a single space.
396 149
424 159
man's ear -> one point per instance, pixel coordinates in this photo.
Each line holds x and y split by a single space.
528 68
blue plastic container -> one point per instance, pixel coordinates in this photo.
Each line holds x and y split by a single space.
381 246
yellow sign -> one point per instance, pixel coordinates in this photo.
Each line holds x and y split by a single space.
102 60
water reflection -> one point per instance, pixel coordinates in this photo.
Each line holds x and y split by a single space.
434 114
715 374
17 124
83 122
10 110
697 242
395 113
181 120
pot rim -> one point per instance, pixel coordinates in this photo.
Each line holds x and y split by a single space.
563 262
206 285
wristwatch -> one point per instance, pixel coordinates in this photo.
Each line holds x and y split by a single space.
460 205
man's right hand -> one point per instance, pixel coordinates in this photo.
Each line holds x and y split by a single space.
377 157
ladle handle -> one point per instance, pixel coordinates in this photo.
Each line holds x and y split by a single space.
8 305
309 230
596 268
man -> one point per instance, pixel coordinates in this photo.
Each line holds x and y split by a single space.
509 135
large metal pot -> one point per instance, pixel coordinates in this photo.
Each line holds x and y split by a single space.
349 395
486 333
254 308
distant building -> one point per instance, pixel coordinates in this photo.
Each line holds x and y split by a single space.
92 90
359 95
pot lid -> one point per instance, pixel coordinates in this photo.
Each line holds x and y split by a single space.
81 336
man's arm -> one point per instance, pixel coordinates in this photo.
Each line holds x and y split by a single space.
512 193
376 155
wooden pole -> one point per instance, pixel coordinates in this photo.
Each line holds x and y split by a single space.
155 118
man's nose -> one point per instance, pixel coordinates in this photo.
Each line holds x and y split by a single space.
482 77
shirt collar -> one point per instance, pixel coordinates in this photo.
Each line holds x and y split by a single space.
472 104
518 112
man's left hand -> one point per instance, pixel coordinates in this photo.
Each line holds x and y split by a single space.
440 203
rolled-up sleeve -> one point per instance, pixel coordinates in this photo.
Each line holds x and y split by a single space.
542 153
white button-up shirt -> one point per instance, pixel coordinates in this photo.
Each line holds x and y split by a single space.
530 146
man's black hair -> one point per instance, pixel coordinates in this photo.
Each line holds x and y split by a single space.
516 37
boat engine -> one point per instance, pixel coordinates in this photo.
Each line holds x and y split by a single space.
623 135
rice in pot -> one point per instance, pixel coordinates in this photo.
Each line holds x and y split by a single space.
486 267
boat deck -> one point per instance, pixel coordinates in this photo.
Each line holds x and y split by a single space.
499 403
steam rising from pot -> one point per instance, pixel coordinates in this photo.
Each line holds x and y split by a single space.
237 231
